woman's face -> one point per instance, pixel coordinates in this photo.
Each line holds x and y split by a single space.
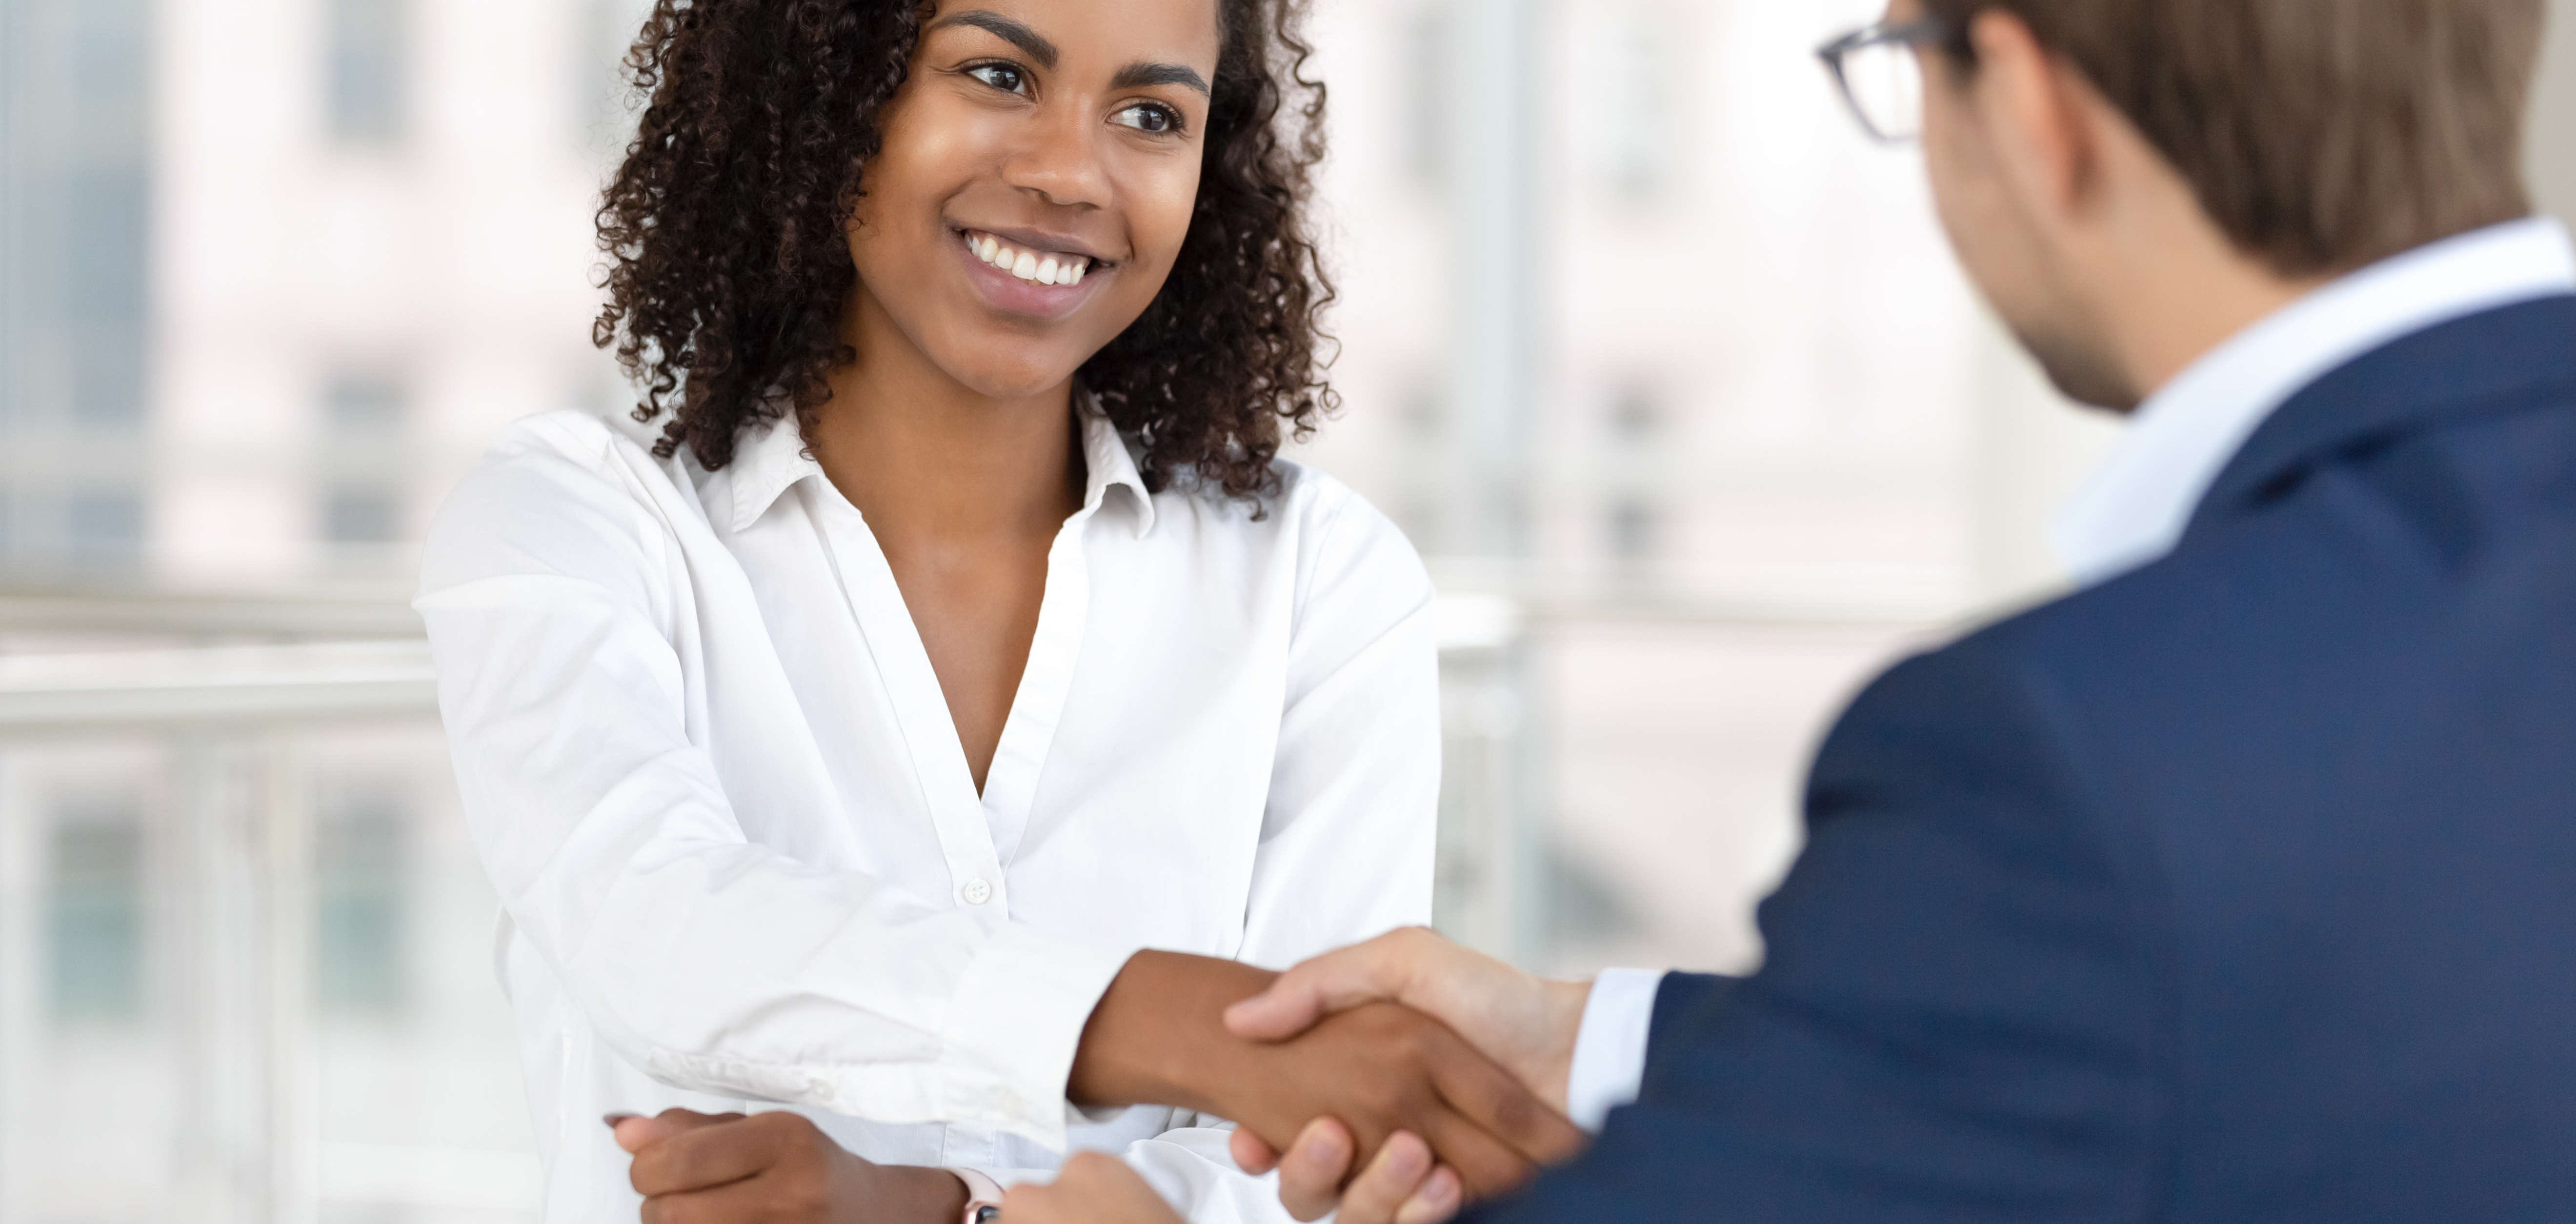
1038 175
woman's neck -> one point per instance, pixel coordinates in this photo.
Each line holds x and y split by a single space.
933 463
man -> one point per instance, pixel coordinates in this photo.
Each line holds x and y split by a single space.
2241 884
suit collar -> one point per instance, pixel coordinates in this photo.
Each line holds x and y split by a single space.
2498 361
2135 509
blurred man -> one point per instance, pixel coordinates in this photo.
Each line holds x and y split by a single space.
2241 884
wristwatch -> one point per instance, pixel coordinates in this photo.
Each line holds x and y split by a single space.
983 1196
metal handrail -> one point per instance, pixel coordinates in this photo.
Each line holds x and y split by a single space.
225 686
366 612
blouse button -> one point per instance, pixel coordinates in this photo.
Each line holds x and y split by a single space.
978 892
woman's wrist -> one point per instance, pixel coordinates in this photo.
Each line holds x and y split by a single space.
1158 1034
908 1194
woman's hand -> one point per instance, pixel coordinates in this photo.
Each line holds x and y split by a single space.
1159 1036
1090 1189
773 1168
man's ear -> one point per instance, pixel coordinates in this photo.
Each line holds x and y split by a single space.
2033 105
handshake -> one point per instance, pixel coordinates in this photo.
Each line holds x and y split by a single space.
1394 1080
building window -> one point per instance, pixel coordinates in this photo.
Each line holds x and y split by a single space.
368 81
94 918
104 528
107 300
1636 426
1625 107
361 966
361 516
366 403
1635 418
76 192
1636 529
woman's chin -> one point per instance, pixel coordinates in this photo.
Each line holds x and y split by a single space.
1011 381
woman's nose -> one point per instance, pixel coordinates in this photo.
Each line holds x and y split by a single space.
1059 159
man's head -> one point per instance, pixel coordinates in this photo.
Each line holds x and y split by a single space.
2131 181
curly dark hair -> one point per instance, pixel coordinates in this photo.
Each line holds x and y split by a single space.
731 262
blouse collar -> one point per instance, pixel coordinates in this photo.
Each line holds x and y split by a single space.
770 458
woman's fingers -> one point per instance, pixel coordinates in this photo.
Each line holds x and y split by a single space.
635 1132
1487 1166
719 1152
1497 1101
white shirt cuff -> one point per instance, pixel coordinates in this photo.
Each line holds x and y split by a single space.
980 1186
1013 1026
1610 1048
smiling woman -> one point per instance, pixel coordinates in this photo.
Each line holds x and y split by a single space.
731 222
943 632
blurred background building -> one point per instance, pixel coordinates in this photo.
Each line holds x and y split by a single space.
1659 361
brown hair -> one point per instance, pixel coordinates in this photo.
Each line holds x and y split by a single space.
2321 135
730 262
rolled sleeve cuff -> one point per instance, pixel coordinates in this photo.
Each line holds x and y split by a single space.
1012 1030
1610 1048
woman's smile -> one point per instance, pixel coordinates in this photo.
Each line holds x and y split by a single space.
1025 273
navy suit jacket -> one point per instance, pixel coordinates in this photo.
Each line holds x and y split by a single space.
2239 888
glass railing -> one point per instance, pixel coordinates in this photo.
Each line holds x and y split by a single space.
245 949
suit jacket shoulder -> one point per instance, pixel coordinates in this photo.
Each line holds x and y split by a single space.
2235 888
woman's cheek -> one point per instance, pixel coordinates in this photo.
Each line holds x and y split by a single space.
1175 199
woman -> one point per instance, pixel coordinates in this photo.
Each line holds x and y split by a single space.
946 631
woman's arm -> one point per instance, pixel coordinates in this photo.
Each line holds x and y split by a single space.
1349 834
565 618
1349 830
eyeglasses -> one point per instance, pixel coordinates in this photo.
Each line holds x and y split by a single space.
1880 70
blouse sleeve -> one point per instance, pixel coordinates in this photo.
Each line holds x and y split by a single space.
1348 837
562 616
1349 833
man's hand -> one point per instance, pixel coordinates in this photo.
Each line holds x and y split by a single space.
1159 1036
1399 1186
773 1168
1524 1022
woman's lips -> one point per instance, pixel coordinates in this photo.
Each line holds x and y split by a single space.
1053 285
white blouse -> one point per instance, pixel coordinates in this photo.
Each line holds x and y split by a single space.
742 859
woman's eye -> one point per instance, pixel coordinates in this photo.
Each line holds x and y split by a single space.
1146 117
1001 76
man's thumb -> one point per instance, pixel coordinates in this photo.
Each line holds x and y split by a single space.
1288 1008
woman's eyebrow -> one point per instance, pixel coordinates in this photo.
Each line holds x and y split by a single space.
1138 76
1007 30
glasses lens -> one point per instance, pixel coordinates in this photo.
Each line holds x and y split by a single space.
1886 85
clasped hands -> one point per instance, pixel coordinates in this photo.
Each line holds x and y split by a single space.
1394 1080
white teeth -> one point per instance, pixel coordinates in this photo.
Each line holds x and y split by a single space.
1029 265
